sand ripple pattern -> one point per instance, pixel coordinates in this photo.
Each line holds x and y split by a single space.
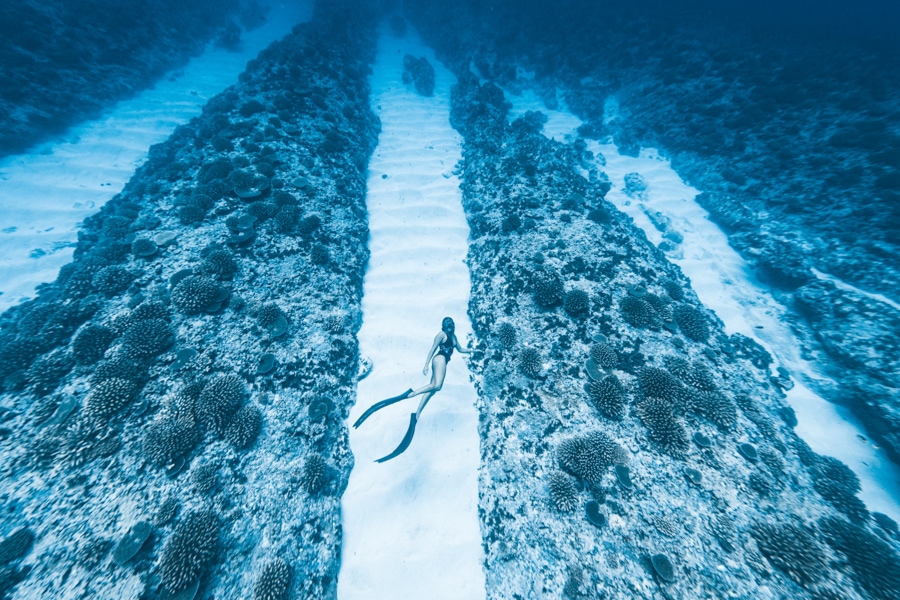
411 525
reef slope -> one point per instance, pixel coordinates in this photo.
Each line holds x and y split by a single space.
173 406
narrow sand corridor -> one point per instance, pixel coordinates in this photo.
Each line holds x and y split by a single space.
727 284
47 192
411 526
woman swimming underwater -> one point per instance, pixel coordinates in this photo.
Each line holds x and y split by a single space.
438 357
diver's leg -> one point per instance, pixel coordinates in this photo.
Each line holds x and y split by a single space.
438 369
422 404
438 372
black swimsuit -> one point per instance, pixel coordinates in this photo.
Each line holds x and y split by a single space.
445 348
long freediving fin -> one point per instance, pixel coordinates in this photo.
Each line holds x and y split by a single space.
404 443
380 405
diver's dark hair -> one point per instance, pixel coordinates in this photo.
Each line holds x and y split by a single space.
447 325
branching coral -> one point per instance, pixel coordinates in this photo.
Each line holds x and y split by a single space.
792 550
715 406
547 289
219 263
530 362
117 367
588 456
220 398
190 214
112 280
875 563
312 474
46 372
665 429
659 383
562 491
636 312
604 355
147 338
577 303
244 427
695 375
190 550
108 396
608 396
169 437
506 334
144 248
196 294
692 322
90 344
273 581
839 485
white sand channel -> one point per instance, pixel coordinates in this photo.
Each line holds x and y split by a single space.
668 212
47 192
411 527
726 284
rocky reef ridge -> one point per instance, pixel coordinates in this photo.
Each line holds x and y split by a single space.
62 62
173 405
630 448
792 141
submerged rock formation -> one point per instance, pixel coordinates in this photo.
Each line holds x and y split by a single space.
61 62
192 375
670 470
792 139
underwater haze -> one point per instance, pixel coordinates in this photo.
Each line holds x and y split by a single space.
667 235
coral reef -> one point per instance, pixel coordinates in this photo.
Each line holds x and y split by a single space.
421 74
807 194
563 492
190 550
875 563
153 404
792 550
67 62
273 581
663 390
221 397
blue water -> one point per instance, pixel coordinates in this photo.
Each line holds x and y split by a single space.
179 351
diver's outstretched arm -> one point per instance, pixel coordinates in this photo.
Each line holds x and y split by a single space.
459 348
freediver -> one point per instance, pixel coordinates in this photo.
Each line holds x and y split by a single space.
438 357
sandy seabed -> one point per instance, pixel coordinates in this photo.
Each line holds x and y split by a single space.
411 524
